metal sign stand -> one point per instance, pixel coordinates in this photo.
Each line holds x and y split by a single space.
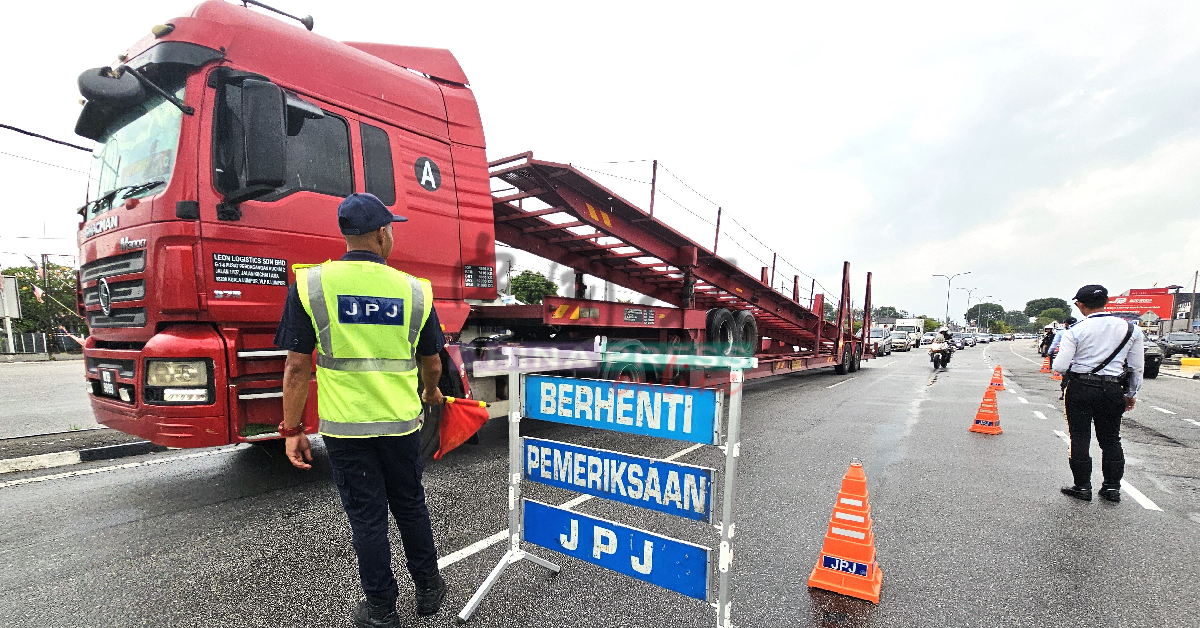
524 360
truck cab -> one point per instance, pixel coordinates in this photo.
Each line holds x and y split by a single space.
220 159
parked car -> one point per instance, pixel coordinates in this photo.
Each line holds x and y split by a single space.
1179 342
1154 358
883 341
900 341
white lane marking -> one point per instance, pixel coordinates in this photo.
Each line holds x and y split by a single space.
1193 422
1014 352
842 382
1126 486
128 465
40 461
1050 405
1139 497
502 536
1162 410
1012 391
888 364
1038 414
1022 400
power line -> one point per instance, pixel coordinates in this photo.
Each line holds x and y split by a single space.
46 163
43 137
607 174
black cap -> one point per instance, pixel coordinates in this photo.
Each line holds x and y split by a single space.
364 213
1070 320
1091 293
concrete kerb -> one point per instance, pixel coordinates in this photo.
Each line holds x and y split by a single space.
76 456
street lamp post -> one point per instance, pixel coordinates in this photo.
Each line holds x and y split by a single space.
950 278
968 291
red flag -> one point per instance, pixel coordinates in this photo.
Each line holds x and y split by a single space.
461 418
37 293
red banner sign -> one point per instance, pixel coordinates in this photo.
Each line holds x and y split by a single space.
1160 304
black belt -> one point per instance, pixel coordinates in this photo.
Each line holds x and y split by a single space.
1088 377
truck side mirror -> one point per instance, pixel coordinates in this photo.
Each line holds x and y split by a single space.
265 118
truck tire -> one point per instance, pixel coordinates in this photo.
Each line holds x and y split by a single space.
747 328
1151 371
841 369
625 371
451 386
856 361
721 333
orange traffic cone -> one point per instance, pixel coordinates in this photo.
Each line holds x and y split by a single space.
997 382
987 419
1045 365
847 563
1056 376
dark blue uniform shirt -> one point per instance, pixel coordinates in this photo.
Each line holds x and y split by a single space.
296 331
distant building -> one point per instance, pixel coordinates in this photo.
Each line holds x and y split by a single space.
1156 308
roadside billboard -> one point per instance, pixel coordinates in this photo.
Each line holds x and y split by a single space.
1160 304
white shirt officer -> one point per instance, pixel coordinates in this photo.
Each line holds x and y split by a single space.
1093 339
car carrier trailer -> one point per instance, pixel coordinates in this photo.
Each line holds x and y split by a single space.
227 139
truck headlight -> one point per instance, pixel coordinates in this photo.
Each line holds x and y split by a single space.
177 373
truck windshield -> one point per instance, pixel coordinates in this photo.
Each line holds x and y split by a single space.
137 150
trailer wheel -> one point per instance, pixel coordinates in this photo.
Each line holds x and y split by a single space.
625 371
841 369
747 328
722 334
855 361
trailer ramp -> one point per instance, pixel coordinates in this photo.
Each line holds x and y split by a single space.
555 211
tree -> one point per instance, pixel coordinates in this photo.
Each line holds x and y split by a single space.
887 311
1058 314
1037 306
46 316
981 313
830 312
1017 320
998 327
931 323
531 287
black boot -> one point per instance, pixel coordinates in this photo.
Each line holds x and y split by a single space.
1082 471
1114 470
376 612
431 590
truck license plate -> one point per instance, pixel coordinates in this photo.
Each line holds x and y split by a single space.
108 382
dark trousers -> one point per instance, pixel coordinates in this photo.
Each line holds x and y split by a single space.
375 475
1101 405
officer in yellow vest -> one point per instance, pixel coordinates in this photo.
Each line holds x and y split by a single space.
375 332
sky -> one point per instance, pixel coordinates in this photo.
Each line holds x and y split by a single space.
1038 146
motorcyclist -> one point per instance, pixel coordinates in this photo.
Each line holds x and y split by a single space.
1044 346
942 343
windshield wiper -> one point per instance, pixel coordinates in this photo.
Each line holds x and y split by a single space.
158 90
129 190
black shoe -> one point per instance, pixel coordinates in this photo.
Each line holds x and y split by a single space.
374 612
1111 493
431 590
1078 492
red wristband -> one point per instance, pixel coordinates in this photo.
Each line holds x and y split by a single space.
290 431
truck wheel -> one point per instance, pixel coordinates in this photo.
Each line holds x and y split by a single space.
747 328
840 369
1151 371
451 386
625 371
721 332
857 363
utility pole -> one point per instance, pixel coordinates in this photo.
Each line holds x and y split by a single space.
653 185
950 278
1192 310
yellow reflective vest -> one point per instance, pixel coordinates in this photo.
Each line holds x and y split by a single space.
368 317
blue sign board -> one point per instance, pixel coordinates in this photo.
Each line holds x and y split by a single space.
678 489
671 412
676 565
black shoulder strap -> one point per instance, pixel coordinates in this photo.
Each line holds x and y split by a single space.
1112 356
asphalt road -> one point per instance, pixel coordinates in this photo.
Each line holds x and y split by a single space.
43 397
971 529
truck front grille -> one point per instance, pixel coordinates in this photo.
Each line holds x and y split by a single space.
126 317
123 264
120 291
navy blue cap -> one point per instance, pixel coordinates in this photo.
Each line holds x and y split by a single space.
1091 293
364 213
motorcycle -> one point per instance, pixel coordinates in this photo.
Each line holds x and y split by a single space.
939 354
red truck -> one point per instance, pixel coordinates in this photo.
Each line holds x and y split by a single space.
225 140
